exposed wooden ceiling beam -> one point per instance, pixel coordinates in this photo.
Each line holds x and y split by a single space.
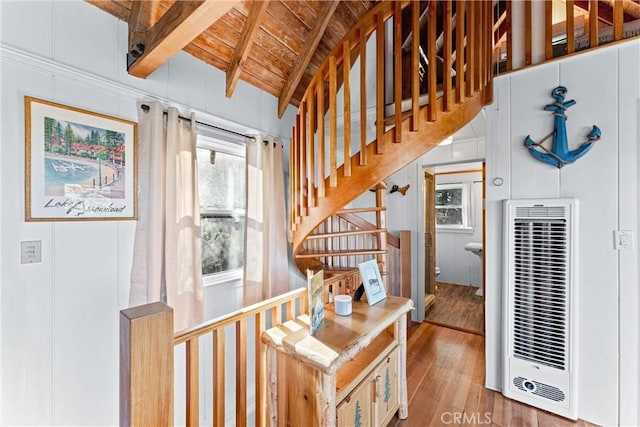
139 21
315 35
249 30
182 23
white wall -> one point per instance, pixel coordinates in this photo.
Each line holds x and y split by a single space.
606 87
456 264
59 318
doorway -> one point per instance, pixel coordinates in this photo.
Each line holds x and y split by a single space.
454 246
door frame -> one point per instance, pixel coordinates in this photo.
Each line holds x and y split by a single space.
421 203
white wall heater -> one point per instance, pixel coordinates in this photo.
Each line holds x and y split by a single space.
540 328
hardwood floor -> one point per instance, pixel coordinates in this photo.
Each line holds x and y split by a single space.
445 376
457 306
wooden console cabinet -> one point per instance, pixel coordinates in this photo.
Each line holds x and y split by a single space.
351 372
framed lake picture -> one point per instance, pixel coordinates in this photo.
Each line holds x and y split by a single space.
79 165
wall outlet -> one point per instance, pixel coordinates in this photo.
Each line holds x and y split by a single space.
30 251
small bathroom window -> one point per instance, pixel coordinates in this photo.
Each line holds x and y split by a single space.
452 206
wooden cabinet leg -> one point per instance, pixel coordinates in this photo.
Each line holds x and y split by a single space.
272 385
327 400
401 333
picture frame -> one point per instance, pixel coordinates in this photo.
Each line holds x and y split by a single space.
79 165
372 281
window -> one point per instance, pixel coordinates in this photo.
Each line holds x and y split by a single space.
221 186
452 206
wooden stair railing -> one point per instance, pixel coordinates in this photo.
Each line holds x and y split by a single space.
455 90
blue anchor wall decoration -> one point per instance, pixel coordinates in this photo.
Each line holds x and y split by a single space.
560 155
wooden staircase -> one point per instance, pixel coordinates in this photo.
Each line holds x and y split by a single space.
457 39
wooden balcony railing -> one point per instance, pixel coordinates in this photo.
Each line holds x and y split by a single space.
201 365
521 38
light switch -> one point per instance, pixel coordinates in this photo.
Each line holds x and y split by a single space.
30 252
623 239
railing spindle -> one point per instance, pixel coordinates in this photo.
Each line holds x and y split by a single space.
346 85
527 32
490 42
509 37
241 372
218 337
618 19
447 101
380 40
460 36
260 371
415 66
432 88
477 28
397 68
301 161
548 30
193 384
363 97
311 104
295 173
302 134
571 33
593 23
333 133
321 141
469 49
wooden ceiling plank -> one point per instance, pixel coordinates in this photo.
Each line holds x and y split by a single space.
180 25
249 30
328 8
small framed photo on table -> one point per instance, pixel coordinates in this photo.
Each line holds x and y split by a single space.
372 281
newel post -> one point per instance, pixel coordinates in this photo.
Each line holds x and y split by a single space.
405 263
146 365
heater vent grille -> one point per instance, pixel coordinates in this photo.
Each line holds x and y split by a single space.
540 212
540 309
539 389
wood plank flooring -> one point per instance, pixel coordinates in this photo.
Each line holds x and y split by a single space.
445 376
457 306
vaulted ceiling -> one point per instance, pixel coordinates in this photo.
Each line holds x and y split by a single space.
275 45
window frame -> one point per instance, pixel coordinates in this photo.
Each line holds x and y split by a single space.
465 207
234 149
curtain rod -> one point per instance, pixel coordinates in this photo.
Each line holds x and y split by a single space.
145 107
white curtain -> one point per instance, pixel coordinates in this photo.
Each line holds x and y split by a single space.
266 265
167 263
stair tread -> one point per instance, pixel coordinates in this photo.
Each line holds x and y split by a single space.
310 254
359 210
344 233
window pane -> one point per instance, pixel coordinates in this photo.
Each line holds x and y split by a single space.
449 216
221 184
222 243
452 196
